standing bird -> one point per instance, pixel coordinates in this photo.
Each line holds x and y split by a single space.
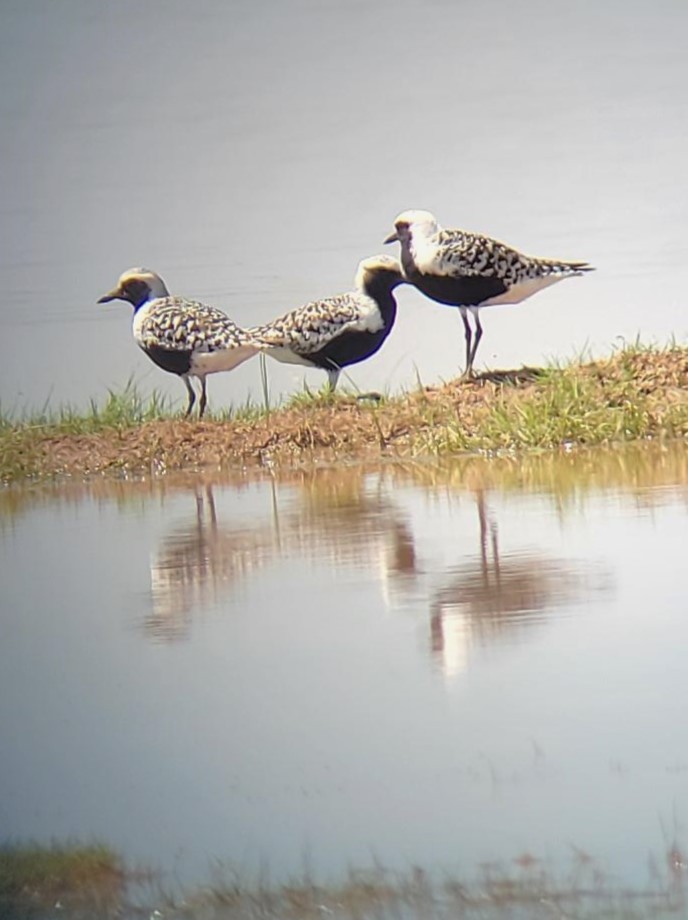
181 336
331 334
470 271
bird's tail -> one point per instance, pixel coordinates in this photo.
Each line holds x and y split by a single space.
563 268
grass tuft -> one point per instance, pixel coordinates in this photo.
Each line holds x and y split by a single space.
39 876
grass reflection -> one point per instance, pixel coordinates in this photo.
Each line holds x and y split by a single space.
634 468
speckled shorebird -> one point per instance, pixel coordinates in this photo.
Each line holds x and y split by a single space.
471 271
181 336
332 333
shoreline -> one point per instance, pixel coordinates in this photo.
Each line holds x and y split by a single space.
639 392
94 880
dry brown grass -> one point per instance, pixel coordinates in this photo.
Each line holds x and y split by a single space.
637 393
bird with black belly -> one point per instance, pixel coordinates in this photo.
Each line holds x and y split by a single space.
181 336
471 271
337 331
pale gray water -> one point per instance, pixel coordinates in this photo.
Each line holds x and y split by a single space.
253 152
425 666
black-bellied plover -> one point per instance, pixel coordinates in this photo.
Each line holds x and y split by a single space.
332 333
181 336
470 271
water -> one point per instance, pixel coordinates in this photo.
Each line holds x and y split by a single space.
252 153
434 665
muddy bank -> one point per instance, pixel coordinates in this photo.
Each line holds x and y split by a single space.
637 393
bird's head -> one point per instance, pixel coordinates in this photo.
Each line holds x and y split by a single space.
413 222
379 270
136 286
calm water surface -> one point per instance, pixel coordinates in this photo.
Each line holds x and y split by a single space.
426 665
254 152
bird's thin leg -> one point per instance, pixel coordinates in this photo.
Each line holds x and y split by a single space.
204 399
192 395
477 337
332 377
468 372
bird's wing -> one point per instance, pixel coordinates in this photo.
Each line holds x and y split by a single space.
309 328
178 324
462 254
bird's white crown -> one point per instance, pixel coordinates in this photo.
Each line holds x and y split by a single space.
418 221
151 279
374 264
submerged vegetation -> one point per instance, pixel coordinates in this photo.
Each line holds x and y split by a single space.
639 392
75 881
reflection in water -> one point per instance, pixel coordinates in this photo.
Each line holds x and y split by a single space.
194 565
337 519
567 477
358 630
489 595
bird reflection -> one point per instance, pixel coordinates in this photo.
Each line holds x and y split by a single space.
193 566
346 519
341 518
490 596
337 518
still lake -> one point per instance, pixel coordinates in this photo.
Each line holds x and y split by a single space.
442 665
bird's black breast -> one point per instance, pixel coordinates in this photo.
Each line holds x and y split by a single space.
468 291
176 362
352 347
347 348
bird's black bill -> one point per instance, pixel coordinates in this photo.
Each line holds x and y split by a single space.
112 295
392 238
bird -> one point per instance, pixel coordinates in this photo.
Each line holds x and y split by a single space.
181 336
471 271
332 333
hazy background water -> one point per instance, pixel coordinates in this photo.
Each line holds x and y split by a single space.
442 666
253 152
